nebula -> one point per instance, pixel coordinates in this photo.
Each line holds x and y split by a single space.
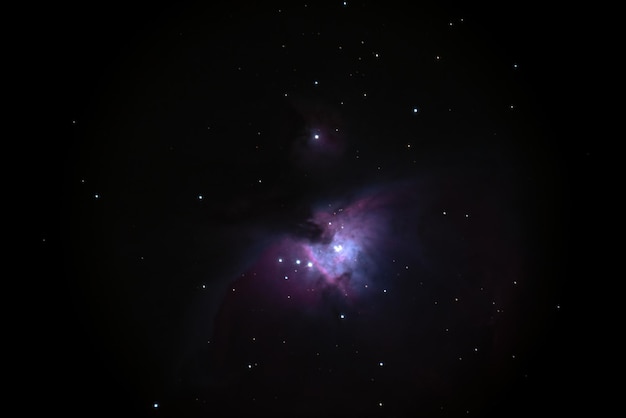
341 255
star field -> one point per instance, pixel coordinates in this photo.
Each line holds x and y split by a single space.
310 209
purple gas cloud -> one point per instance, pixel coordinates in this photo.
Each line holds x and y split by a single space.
335 252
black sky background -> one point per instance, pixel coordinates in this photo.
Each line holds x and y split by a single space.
135 79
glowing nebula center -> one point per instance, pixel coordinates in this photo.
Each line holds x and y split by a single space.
337 260
342 253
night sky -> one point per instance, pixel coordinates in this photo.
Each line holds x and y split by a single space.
292 209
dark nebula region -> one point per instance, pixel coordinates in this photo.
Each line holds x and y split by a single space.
347 209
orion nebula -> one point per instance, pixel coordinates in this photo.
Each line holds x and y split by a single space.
306 209
338 249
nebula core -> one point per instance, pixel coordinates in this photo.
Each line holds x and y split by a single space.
338 251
